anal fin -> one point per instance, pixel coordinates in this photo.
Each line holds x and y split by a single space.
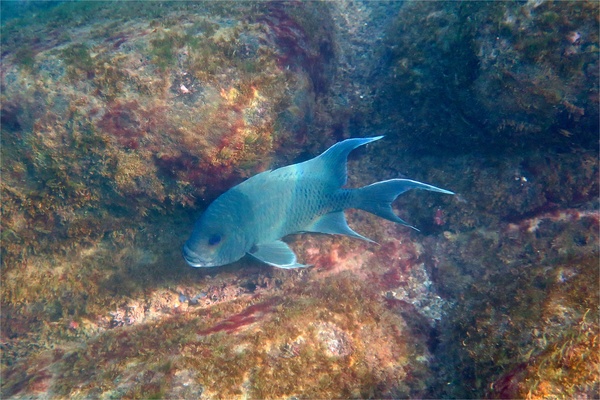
334 223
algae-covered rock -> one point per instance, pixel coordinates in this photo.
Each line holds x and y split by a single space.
151 330
144 109
521 272
501 74
122 121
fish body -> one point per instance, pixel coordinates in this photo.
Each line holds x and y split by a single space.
252 217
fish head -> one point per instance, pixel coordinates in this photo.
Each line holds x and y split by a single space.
219 237
213 247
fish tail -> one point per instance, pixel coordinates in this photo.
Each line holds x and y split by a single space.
377 198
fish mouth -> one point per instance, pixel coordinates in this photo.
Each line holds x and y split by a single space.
192 258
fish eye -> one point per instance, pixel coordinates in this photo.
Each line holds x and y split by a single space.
214 239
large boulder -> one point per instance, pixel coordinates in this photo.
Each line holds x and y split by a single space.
502 75
143 109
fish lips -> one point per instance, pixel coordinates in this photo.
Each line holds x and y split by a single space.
194 259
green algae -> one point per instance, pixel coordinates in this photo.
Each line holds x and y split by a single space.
25 57
164 49
78 59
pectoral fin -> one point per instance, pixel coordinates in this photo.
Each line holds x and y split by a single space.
334 224
277 254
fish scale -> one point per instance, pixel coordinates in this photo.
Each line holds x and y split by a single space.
252 217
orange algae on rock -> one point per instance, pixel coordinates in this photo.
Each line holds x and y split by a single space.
568 366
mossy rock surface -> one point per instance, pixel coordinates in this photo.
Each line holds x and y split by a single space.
122 121
146 109
504 75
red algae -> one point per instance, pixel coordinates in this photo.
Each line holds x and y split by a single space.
254 313
121 121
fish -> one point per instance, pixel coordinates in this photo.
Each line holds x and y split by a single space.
308 197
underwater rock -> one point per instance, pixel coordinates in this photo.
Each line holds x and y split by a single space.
520 275
106 113
502 74
120 122
259 347
145 109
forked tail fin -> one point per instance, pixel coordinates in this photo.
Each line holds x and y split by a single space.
377 198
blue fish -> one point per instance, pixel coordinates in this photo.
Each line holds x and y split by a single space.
253 216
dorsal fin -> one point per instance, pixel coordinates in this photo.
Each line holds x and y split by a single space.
331 165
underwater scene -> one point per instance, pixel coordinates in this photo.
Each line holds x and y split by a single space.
135 267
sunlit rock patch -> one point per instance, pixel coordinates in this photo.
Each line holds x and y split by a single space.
260 346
